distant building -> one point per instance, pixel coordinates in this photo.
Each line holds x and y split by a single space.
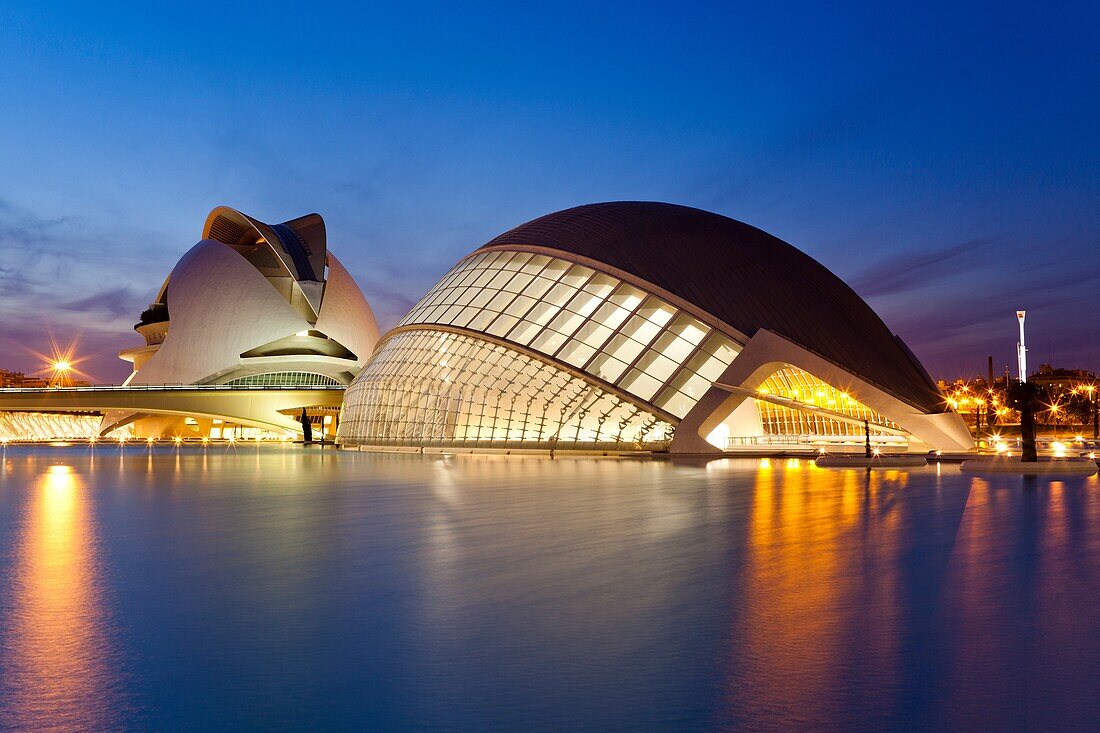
1059 382
18 379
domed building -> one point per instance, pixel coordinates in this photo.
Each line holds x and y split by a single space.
643 326
252 304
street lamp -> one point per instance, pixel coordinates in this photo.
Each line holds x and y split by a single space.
61 369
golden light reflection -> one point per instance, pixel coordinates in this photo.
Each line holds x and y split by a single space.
59 673
816 539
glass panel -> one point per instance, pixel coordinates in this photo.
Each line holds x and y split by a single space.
566 322
584 303
623 348
610 315
640 329
524 332
657 366
548 342
640 384
656 311
560 294
593 333
503 325
519 282
520 305
601 285
707 366
499 280
576 353
542 313
688 328
721 347
538 287
627 296
607 367
673 347
577 275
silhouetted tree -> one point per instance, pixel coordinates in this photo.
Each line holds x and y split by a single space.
1078 409
1026 397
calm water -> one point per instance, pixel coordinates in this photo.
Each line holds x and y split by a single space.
272 587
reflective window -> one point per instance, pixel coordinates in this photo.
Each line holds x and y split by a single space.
590 320
810 406
431 388
284 379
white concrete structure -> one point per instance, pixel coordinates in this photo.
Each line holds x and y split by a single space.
252 304
632 325
1021 348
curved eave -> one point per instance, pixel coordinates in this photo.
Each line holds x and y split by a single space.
307 234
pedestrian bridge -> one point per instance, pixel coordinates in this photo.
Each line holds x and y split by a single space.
253 406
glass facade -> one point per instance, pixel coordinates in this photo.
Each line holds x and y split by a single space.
587 319
426 387
819 399
284 379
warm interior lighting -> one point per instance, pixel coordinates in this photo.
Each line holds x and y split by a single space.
1059 449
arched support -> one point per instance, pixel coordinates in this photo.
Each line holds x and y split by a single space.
767 352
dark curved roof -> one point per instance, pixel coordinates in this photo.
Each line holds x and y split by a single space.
741 275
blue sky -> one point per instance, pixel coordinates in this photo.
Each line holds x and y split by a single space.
942 159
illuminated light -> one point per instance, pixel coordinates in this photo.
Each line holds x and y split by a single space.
762 390
1001 447
765 463
91 440
232 439
1092 456
876 451
1059 449
177 440
62 366
205 440
1079 439
150 440
122 439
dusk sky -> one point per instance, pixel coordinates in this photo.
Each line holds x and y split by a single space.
941 159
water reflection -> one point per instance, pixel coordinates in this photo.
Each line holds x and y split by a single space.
57 672
289 588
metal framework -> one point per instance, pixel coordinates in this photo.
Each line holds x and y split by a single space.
584 326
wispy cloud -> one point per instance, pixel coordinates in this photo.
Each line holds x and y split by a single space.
908 270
